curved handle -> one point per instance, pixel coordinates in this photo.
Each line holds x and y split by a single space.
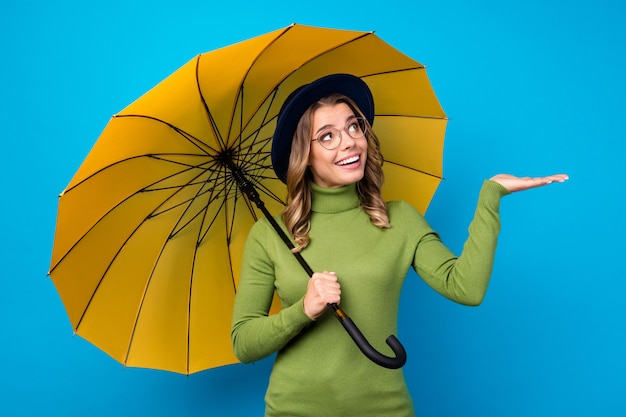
367 349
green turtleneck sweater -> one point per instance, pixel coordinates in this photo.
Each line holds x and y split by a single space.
319 371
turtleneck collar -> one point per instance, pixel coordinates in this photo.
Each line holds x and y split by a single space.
334 200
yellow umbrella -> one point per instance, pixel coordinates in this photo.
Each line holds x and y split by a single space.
151 228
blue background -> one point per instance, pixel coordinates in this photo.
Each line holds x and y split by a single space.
531 88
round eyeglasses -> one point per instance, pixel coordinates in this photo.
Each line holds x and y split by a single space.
330 137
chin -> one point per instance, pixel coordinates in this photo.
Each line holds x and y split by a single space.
356 177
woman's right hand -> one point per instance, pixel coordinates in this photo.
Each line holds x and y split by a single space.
513 183
322 289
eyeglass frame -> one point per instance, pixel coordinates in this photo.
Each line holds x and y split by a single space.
360 121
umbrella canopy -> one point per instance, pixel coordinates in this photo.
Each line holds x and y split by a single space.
151 228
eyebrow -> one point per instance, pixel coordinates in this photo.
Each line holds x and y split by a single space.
327 126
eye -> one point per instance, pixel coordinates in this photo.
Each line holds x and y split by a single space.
355 127
326 137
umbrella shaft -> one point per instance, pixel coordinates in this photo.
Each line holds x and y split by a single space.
339 313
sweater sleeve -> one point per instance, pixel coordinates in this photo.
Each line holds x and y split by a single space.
254 333
464 279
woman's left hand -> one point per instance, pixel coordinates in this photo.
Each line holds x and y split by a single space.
513 183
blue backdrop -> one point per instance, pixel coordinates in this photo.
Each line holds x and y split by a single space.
531 88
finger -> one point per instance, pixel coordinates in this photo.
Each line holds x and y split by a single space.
549 179
325 284
332 295
327 276
558 178
332 290
331 276
329 287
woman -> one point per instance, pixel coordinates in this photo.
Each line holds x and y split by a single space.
329 157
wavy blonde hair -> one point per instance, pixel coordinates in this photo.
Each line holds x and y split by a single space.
297 213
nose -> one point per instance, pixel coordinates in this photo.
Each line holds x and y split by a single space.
347 141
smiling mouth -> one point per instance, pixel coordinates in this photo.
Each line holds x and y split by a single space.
348 161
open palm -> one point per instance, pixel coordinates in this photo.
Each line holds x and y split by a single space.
513 183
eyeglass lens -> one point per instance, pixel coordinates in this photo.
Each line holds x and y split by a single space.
330 138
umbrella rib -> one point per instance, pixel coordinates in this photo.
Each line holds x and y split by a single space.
189 294
190 138
143 296
178 230
419 67
208 113
121 161
413 169
411 116
261 187
229 233
164 157
252 138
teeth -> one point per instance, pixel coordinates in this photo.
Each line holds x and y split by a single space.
348 161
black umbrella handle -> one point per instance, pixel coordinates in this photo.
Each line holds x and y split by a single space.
368 350
354 332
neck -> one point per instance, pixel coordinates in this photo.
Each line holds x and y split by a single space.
334 200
